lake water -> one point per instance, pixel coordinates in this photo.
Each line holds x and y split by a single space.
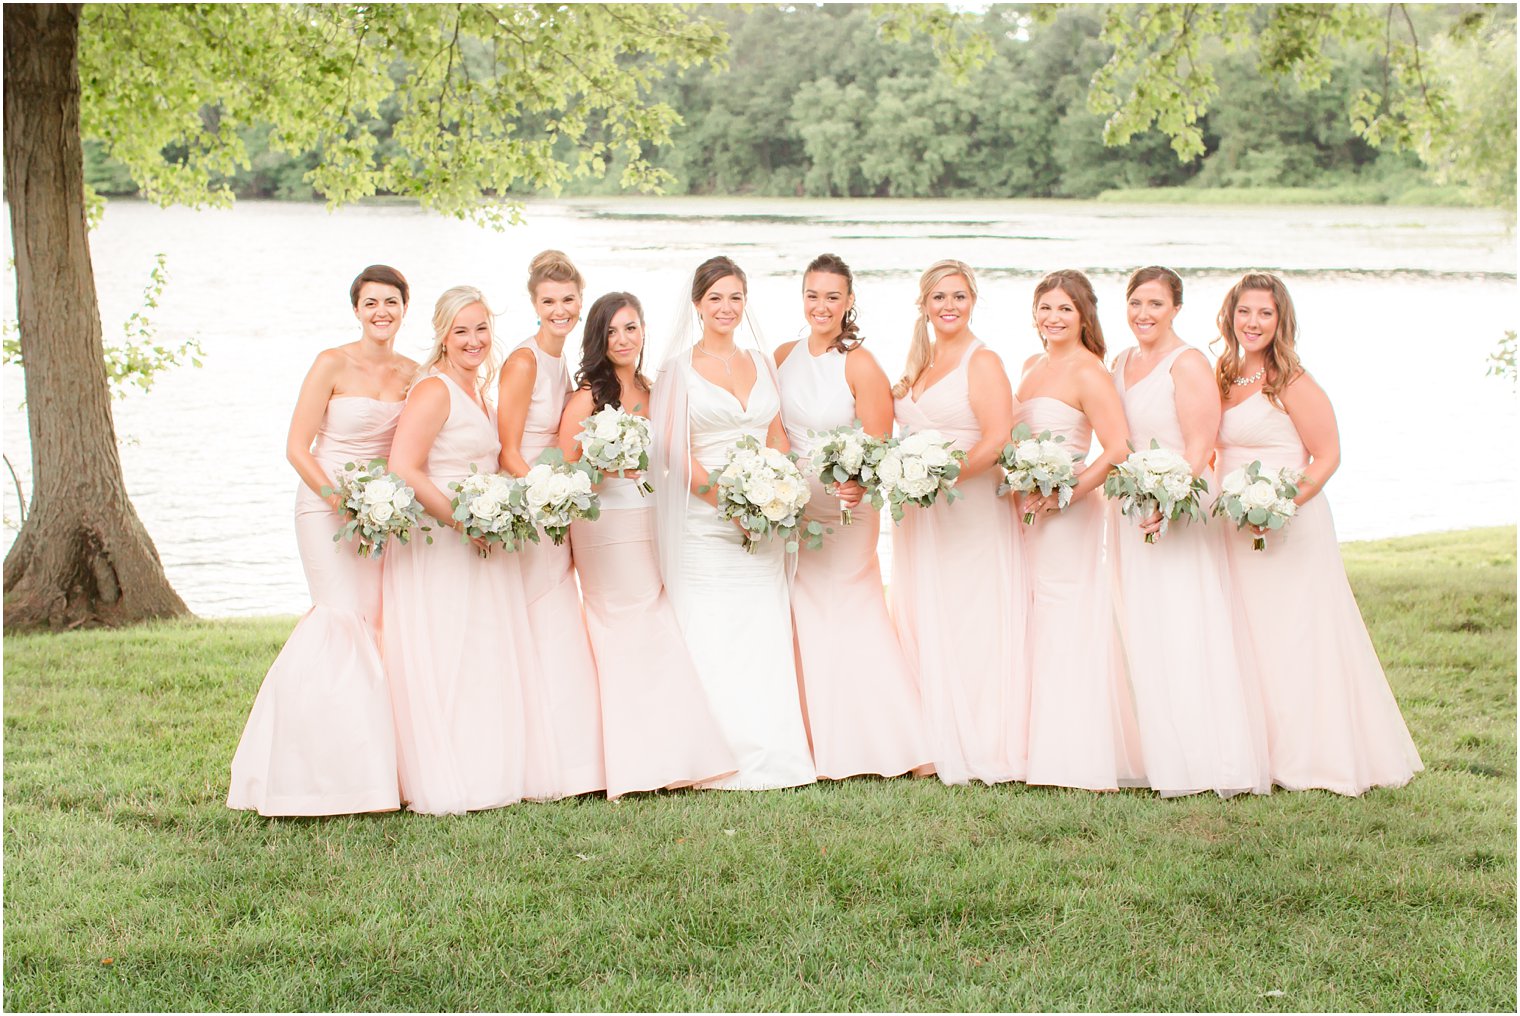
1398 310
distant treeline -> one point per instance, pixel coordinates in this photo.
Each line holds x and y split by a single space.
816 103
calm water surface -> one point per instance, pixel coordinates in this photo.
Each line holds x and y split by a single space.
1398 309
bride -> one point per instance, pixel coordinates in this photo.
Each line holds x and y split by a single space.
732 606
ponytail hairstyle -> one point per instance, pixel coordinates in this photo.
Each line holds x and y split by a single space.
1155 273
832 264
1075 285
552 266
918 350
386 276
444 312
1283 367
597 371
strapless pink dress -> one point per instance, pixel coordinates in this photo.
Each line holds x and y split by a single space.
960 597
1082 730
320 739
1332 722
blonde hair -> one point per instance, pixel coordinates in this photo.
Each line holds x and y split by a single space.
918 350
1282 363
552 266
445 311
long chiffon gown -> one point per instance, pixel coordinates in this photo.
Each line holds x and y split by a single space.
319 740
458 650
1082 730
1195 698
861 700
565 666
960 597
1332 722
660 731
732 605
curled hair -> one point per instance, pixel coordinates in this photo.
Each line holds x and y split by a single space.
709 272
597 371
552 266
445 311
383 274
1156 273
918 350
1282 364
849 331
1075 285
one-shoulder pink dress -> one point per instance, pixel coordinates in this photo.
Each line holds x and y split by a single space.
1082 730
1196 703
960 598
565 668
860 698
319 740
1332 722
458 651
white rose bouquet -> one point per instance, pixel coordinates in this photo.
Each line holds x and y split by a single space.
492 508
558 492
845 454
1031 463
1156 479
1253 496
916 469
613 441
764 490
378 505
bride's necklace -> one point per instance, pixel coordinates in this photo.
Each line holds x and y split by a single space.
724 360
1243 381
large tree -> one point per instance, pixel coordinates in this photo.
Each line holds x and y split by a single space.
492 97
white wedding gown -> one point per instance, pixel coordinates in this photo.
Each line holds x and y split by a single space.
733 606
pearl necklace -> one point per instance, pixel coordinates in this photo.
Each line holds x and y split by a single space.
1243 381
721 359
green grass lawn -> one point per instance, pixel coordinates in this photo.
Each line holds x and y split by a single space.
129 885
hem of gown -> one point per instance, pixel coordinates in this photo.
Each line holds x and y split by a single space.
1096 786
1348 789
582 782
462 809
682 783
317 807
885 772
1225 792
727 783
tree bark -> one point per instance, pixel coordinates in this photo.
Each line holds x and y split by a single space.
82 557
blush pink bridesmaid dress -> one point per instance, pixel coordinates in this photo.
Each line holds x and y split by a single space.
860 699
320 739
469 730
565 665
1332 722
1082 730
1196 703
960 597
659 731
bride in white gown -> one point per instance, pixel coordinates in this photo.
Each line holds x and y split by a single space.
732 605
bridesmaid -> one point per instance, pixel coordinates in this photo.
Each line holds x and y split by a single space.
1198 710
860 700
1331 719
319 739
530 400
659 730
457 646
1081 720
960 594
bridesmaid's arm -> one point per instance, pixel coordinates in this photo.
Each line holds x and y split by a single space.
1105 410
872 391
775 436
992 402
311 406
421 419
1314 418
1198 408
577 408
514 394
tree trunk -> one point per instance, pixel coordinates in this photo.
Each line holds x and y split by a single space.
82 557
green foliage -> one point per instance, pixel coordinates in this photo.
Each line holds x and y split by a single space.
859 895
1501 362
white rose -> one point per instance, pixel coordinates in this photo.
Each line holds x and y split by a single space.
1260 494
1026 453
936 457
1288 509
1234 483
759 490
890 468
920 487
537 494
776 510
787 490
403 499
852 457
560 487
484 508
915 469
499 488
914 444
381 512
1177 487
379 490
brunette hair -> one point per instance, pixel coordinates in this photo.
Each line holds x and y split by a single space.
552 266
1155 273
849 332
1075 285
918 350
597 371
383 274
445 311
710 271
1282 364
